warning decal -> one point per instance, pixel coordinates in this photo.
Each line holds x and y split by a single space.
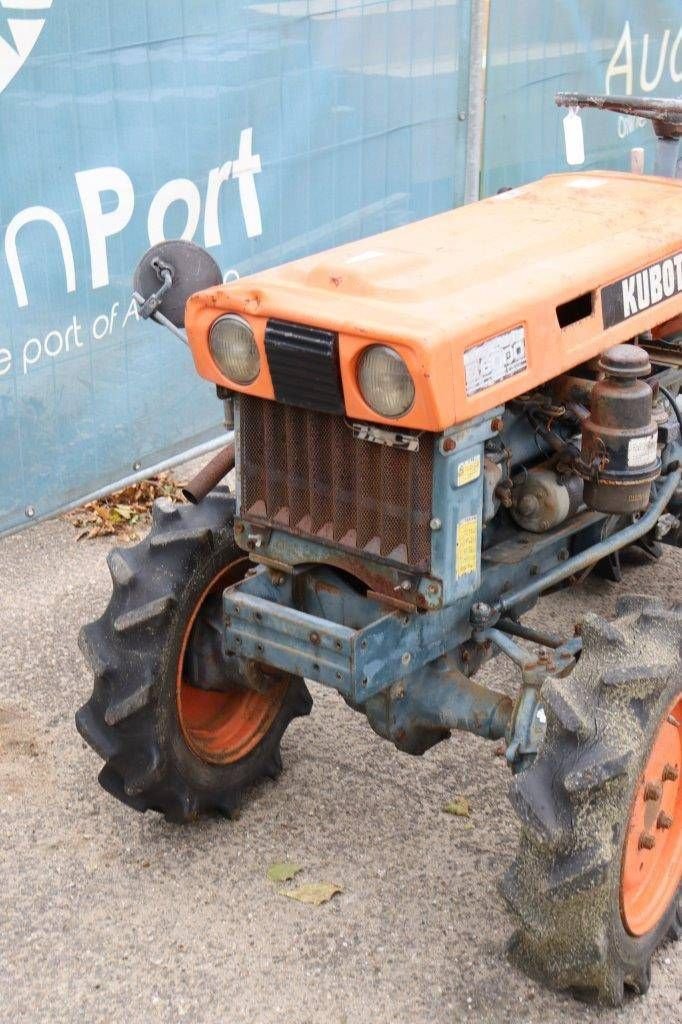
467 546
495 360
468 470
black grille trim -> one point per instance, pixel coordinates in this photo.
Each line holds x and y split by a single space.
303 471
304 366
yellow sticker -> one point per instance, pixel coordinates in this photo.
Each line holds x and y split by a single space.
468 470
467 546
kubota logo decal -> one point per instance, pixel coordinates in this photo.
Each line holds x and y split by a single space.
639 291
20 28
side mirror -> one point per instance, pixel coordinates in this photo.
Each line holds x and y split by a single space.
168 274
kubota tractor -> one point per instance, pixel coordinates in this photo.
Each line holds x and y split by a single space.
432 427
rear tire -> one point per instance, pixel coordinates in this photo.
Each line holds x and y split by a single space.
592 900
168 746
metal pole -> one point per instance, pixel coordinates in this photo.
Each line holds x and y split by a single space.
142 474
478 58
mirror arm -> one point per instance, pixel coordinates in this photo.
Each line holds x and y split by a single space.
156 316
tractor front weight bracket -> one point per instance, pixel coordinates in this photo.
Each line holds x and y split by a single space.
401 669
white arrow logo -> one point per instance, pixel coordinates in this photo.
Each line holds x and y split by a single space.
24 32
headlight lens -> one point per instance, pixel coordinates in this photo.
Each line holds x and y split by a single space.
385 381
234 349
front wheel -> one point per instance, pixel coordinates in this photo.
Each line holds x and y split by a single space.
182 729
597 883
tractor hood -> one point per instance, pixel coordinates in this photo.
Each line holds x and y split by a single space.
484 302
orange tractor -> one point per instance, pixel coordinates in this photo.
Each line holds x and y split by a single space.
432 427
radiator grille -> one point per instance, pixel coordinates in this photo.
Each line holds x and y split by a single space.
304 471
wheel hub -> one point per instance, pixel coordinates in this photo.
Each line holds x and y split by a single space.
221 721
652 857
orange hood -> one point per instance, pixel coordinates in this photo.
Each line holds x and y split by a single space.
440 289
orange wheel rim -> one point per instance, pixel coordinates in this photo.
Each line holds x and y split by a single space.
221 727
652 856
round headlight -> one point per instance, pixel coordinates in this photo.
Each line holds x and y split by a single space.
234 349
385 381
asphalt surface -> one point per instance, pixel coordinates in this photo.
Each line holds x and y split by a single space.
111 916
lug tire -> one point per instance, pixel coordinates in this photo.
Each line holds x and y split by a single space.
132 719
574 802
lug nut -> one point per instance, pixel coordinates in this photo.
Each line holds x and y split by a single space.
652 791
664 821
670 773
646 841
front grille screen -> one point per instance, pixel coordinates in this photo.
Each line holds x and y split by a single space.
304 471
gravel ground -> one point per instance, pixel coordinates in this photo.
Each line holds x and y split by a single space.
110 916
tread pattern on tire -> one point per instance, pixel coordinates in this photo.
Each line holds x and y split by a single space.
132 650
574 802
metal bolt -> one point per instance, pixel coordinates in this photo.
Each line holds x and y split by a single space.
646 841
314 638
399 692
652 791
406 658
239 528
30 511
449 444
462 115
496 424
664 820
435 523
432 588
137 466
480 612
563 555
528 505
670 773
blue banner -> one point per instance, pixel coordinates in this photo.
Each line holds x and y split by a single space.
264 131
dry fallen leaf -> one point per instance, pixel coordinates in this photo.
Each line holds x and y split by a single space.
283 872
315 893
125 513
459 807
